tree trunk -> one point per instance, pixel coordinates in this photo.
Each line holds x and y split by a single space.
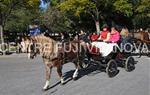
97 27
95 16
2 40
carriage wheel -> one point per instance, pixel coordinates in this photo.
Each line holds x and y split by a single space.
84 64
130 64
111 68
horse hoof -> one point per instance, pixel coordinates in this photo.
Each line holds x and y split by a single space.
75 78
62 83
45 89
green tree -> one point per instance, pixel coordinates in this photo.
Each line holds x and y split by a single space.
142 13
77 7
56 20
137 10
82 12
99 10
7 7
123 6
20 19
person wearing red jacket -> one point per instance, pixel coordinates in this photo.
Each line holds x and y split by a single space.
105 34
94 37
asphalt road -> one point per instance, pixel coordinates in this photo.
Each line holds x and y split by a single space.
21 76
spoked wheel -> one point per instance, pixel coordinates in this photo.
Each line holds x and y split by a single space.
130 64
111 68
84 64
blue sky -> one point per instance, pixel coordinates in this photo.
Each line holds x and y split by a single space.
43 5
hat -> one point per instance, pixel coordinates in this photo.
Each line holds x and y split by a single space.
105 26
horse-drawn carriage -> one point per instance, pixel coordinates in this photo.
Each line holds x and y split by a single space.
53 56
109 57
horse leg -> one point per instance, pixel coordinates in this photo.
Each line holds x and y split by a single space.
75 74
48 75
59 71
140 51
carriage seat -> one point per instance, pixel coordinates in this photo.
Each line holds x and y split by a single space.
103 48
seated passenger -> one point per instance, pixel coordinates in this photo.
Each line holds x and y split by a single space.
114 35
105 34
107 48
124 33
94 37
82 35
124 37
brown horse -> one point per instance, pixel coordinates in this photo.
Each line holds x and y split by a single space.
53 54
141 38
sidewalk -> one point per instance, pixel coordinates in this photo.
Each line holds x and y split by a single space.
20 55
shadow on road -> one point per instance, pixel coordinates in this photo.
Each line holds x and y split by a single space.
90 71
140 55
